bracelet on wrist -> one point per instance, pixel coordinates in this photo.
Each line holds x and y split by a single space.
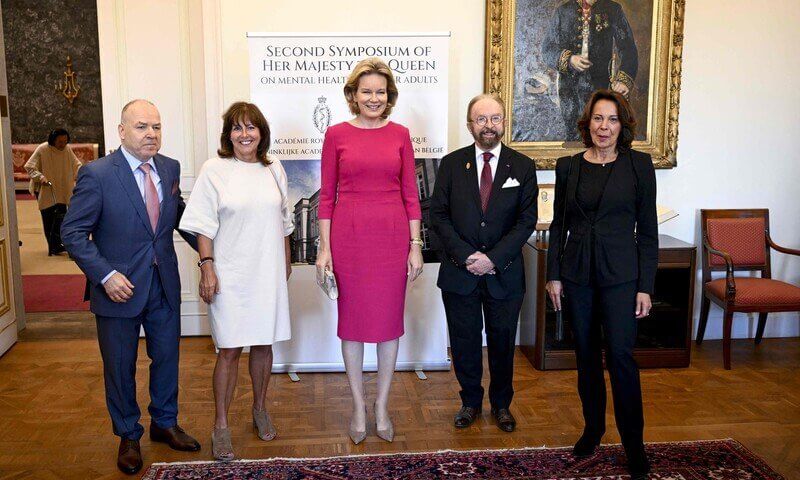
204 260
417 241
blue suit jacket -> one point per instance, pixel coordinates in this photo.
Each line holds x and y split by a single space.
107 204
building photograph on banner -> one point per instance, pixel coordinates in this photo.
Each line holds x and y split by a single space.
300 78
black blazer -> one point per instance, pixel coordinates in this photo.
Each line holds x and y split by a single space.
463 229
625 230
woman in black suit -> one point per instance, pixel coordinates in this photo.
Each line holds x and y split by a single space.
603 257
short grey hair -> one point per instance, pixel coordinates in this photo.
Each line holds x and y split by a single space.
484 96
130 104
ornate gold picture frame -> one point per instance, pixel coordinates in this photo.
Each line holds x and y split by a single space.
637 43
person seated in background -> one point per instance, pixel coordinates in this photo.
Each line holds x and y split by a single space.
53 168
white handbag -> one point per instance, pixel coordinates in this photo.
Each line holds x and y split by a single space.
328 285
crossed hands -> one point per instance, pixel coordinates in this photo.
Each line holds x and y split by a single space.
479 264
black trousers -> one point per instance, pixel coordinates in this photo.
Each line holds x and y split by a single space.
466 315
598 313
51 222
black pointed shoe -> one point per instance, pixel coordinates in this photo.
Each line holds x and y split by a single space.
638 465
586 445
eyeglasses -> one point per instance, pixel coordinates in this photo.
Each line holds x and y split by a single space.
482 120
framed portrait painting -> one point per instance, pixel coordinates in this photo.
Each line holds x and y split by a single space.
545 58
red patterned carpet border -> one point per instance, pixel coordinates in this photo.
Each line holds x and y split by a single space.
715 459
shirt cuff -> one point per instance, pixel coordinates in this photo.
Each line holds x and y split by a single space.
105 279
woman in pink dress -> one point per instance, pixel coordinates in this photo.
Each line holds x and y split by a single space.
369 231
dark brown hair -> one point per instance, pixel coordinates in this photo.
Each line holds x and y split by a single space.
369 66
239 113
624 111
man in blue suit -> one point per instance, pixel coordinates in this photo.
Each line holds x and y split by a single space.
119 231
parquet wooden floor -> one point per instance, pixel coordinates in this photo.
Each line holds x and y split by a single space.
53 420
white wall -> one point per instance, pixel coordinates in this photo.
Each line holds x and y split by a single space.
739 122
463 18
153 49
739 119
740 104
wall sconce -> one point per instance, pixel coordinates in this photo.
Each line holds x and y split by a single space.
69 87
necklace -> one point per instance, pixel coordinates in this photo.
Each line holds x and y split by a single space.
596 157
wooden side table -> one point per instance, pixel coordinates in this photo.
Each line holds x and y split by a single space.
664 338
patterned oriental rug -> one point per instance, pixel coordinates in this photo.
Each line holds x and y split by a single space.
717 459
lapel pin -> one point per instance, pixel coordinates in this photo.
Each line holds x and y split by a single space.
468 165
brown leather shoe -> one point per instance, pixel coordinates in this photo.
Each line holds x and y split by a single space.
466 416
505 421
129 457
175 437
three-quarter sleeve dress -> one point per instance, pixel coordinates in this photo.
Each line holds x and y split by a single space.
244 209
369 193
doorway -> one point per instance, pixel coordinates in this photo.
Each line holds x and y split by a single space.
53 83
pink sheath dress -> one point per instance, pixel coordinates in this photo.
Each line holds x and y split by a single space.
369 192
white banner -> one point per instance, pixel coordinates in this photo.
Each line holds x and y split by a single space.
296 79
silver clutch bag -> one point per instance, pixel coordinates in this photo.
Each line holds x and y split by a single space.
328 285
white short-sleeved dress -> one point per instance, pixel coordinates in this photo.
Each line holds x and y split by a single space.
244 208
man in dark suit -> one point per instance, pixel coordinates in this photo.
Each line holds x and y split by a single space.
129 202
483 209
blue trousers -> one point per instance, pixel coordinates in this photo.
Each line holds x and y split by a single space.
119 345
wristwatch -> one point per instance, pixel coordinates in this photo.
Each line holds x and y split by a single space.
204 260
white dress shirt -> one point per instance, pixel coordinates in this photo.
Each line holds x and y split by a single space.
492 163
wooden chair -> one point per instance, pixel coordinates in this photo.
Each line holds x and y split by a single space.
738 240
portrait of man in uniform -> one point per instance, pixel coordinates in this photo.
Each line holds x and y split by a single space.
566 49
591 45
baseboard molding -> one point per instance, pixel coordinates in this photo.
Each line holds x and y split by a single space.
8 337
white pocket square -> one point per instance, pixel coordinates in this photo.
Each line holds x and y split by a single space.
511 182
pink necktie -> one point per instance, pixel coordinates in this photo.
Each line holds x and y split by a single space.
486 181
150 196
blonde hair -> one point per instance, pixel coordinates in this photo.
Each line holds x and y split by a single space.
369 66
484 96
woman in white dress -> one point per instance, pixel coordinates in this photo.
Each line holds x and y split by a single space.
239 211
